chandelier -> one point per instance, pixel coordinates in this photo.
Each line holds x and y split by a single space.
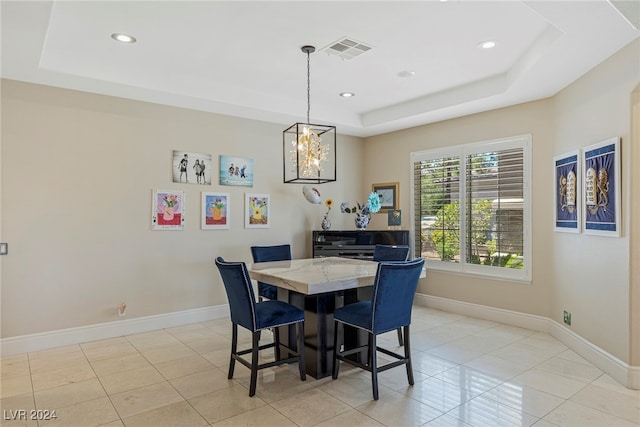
309 150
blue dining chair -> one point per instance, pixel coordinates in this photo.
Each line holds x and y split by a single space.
256 316
269 253
392 253
390 308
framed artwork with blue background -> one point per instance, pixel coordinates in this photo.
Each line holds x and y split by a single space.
567 192
236 171
216 209
601 193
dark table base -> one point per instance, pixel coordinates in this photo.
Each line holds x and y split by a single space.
319 326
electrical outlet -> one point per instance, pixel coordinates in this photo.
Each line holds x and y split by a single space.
122 310
567 317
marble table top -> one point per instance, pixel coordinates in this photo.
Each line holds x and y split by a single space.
316 275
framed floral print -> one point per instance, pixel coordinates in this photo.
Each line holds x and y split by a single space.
601 194
168 210
567 181
215 214
257 210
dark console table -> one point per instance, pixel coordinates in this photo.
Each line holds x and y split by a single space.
355 243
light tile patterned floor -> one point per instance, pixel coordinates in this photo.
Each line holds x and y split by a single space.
468 372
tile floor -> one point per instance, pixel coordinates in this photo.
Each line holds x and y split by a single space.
468 372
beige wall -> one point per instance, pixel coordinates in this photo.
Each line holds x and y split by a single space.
586 275
77 176
634 225
591 274
78 170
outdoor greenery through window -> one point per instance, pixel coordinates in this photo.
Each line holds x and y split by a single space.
471 207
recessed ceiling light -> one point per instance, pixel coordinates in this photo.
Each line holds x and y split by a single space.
124 38
406 73
347 94
487 44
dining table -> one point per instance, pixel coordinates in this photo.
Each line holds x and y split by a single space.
319 286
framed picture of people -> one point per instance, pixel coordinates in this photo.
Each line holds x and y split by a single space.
236 171
567 192
601 193
191 168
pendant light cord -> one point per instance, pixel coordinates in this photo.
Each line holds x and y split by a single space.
308 86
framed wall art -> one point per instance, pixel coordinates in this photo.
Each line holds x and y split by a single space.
191 168
257 210
389 195
567 181
394 218
216 211
168 210
601 193
236 171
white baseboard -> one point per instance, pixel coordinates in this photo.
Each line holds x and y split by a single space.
62 337
627 375
513 318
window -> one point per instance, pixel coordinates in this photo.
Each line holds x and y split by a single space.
471 207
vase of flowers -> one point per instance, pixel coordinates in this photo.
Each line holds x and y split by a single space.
326 223
168 208
363 211
215 209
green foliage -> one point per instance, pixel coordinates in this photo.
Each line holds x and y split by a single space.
445 236
507 261
445 233
437 182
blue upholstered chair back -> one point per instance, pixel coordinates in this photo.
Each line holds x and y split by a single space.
237 283
393 291
390 253
270 253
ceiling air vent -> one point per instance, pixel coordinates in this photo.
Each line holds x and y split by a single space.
346 48
630 10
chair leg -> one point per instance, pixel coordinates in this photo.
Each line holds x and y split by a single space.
254 363
276 341
407 354
337 342
400 340
301 365
373 364
234 349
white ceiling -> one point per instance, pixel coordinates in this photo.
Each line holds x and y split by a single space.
243 58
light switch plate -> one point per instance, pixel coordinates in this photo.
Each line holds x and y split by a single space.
4 248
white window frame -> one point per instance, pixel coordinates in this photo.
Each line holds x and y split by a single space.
462 151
